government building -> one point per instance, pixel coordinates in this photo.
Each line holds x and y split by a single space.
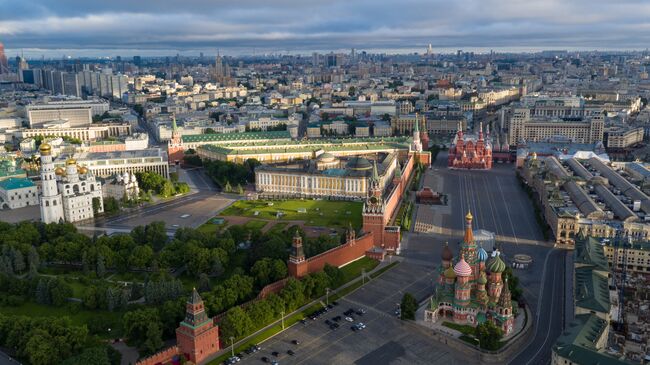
326 176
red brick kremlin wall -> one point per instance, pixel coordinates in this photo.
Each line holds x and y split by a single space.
163 357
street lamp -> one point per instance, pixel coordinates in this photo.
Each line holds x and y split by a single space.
327 296
282 315
232 345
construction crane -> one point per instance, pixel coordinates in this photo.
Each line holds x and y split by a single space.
619 275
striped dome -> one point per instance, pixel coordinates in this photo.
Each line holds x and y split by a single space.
496 265
462 268
482 254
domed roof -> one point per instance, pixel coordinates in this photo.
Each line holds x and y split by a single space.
449 273
469 216
71 161
496 265
482 254
59 171
83 170
482 279
327 157
462 268
446 255
359 163
45 149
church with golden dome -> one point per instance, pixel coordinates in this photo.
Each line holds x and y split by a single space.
67 194
470 288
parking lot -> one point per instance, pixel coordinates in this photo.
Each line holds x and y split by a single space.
385 340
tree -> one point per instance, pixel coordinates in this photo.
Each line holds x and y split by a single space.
95 355
101 268
96 205
489 335
236 323
19 261
153 340
142 327
335 275
204 282
409 306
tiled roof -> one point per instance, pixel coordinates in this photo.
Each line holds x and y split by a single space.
15 183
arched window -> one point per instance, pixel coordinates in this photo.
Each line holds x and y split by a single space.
75 189
47 203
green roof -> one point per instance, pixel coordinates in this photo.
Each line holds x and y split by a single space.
243 136
591 289
578 343
15 183
590 252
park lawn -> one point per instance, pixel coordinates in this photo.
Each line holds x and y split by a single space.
462 328
278 227
211 228
82 317
323 213
255 224
353 269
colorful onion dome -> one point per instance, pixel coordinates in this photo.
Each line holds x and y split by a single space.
482 279
449 273
462 268
447 255
496 265
482 254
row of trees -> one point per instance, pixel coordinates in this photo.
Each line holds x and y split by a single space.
222 172
42 340
239 322
151 181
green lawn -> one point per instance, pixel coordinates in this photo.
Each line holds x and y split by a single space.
325 213
255 224
278 227
211 228
113 320
462 328
353 270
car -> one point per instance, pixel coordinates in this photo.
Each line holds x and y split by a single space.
328 322
275 353
359 313
336 319
274 362
362 310
290 352
329 306
257 347
295 342
265 359
361 325
349 319
303 321
185 216
239 356
354 328
335 303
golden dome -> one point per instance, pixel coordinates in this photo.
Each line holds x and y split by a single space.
59 171
71 161
83 170
45 149
469 216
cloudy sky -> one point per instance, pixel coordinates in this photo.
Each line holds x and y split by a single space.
156 27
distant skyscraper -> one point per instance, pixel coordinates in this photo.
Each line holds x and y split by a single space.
137 60
4 64
218 67
429 50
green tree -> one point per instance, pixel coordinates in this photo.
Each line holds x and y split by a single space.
489 335
409 306
154 340
142 328
101 267
236 323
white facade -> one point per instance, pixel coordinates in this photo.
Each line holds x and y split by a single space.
70 197
51 202
17 193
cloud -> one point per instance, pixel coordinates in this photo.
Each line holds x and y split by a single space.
304 25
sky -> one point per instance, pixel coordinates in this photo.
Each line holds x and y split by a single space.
161 27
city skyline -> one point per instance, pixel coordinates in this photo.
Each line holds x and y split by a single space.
252 27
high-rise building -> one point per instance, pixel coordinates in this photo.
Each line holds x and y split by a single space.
4 64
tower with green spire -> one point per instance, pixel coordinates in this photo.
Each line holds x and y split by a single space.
197 336
175 149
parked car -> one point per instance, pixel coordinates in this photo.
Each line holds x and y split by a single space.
290 352
265 359
295 342
349 319
275 353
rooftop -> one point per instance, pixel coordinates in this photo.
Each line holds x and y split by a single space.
591 290
241 136
15 183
